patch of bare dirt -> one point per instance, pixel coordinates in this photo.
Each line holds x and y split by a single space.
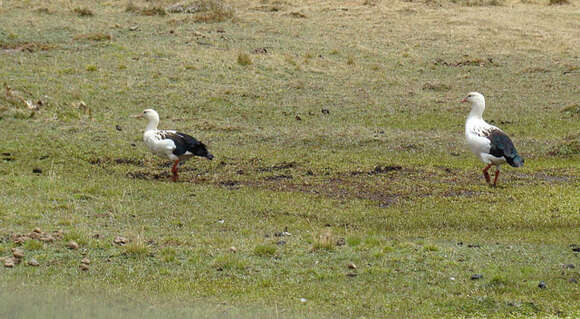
107 161
149 176
378 170
467 61
26 47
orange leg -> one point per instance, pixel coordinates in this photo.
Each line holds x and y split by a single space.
174 171
486 174
496 176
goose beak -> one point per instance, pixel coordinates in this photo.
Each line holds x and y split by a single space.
464 100
137 116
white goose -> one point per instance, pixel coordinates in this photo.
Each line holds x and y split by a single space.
170 144
490 144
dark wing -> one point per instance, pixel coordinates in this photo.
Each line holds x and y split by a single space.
502 146
185 143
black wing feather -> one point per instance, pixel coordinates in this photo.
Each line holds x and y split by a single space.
185 143
502 146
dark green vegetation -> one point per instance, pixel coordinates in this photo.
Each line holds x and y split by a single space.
338 138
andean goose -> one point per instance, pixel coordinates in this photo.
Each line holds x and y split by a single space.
170 144
486 141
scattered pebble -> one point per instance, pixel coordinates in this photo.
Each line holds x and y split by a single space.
9 263
233 249
325 111
32 262
341 242
37 230
352 266
37 170
120 240
221 221
542 285
85 261
133 28
473 246
452 278
118 127
84 267
303 300
46 238
17 253
72 245
476 276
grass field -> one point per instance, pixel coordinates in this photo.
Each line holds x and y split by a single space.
341 184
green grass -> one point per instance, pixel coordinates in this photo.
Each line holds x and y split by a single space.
338 138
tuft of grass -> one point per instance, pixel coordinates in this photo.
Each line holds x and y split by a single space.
145 11
324 241
558 2
267 250
33 244
95 36
136 248
350 60
244 59
83 12
229 262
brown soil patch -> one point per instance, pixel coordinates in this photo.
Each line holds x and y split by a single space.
26 47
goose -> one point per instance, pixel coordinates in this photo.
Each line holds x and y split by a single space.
489 143
170 144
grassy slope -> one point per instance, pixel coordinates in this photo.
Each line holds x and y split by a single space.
390 75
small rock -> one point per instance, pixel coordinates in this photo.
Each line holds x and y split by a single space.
9 263
34 235
352 266
576 249
476 276
573 281
569 266
341 242
452 278
37 170
72 245
325 111
85 261
120 240
46 238
20 239
58 233
233 249
221 221
298 118
37 230
133 28
84 267
32 262
118 127
542 285
17 253
303 300
473 246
